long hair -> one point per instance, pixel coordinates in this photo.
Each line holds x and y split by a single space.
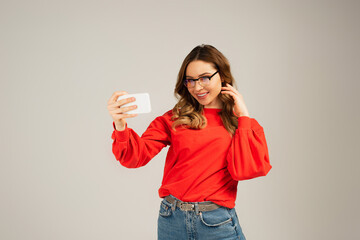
188 112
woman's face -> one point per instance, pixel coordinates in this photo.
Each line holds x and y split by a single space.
196 69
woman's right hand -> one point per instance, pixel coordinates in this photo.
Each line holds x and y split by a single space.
117 112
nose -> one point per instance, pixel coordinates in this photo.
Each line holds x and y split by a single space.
197 86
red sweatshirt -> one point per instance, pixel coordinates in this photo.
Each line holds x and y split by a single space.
201 164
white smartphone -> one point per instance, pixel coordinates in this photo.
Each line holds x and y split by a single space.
142 100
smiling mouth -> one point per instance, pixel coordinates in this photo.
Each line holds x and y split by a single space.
202 95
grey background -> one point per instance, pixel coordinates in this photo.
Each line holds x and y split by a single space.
295 62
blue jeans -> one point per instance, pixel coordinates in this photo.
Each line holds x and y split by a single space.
219 224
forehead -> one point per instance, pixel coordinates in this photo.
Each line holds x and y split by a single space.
198 67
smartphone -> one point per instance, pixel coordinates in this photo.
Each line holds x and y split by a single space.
142 100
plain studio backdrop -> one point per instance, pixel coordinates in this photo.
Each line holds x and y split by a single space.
296 63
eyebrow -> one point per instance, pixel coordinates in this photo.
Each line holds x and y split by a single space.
199 75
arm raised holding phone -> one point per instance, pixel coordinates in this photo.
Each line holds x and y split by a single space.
118 111
129 148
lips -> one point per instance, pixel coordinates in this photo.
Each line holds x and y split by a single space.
202 95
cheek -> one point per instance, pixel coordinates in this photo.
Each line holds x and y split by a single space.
217 90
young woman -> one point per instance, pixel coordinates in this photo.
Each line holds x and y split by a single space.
213 144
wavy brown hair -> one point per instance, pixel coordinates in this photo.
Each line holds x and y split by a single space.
188 111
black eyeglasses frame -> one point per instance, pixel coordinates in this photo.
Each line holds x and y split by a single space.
187 80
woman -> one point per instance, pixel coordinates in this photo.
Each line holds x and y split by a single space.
213 144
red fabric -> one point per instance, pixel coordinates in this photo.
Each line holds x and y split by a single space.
201 165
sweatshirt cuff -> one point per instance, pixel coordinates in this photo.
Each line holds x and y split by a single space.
121 136
244 122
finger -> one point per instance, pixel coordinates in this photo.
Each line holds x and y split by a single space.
124 101
116 95
121 102
230 86
124 109
226 88
232 89
238 95
230 93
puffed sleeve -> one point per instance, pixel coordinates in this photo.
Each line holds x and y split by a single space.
133 151
248 155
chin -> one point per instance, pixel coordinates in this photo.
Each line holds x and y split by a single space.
204 103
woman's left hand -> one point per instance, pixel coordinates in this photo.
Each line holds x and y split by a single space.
240 107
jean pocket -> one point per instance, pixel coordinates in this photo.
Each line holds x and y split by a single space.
217 217
165 209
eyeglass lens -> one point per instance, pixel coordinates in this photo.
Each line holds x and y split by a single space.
202 81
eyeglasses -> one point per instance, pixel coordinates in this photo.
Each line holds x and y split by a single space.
203 81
